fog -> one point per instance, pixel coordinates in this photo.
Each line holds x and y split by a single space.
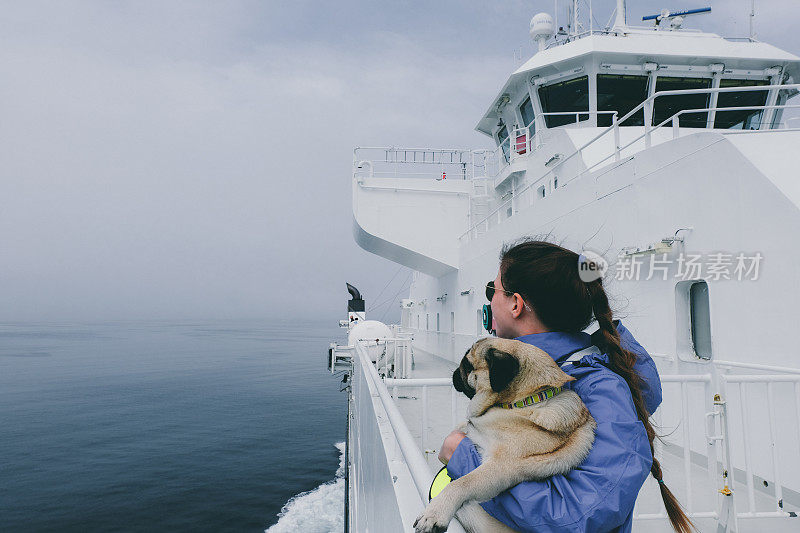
192 160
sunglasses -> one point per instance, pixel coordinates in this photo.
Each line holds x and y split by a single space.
490 288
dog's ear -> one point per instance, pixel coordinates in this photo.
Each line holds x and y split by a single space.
503 368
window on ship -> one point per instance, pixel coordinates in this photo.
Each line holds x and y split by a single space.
502 136
566 96
526 110
620 93
700 319
667 106
745 119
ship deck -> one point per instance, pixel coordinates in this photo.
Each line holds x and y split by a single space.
699 493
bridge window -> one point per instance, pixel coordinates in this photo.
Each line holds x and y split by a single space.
621 93
567 96
667 106
502 136
526 110
745 119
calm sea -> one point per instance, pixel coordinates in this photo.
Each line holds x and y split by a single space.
201 426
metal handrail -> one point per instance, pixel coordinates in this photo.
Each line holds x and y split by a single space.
674 120
415 149
719 385
514 151
464 163
529 137
417 465
759 366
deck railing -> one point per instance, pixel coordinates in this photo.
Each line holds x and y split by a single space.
744 385
429 163
725 454
395 358
412 455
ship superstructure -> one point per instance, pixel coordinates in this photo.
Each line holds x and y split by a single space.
671 153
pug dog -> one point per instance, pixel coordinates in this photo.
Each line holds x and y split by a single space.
524 424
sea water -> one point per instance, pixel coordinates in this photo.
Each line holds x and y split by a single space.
179 426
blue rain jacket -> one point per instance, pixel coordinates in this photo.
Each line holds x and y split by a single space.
599 495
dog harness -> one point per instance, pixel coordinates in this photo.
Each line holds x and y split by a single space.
533 398
549 393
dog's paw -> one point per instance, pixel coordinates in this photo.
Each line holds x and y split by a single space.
427 523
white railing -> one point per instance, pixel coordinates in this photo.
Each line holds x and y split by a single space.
455 163
429 163
723 455
424 384
413 457
674 123
685 443
522 141
646 107
743 383
758 366
395 359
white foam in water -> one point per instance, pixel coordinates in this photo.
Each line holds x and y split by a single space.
317 511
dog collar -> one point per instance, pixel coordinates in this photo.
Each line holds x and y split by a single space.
532 399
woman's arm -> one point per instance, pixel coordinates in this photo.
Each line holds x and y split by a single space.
598 495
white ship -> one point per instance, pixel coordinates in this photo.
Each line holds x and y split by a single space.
673 154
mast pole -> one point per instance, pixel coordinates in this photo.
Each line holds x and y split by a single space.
555 15
575 18
621 20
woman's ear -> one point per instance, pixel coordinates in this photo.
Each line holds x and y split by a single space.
519 303
503 368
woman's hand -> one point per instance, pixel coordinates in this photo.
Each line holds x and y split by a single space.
449 445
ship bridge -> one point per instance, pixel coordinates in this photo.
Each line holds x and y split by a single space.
586 81
581 105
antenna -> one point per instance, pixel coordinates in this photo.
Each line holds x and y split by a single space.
752 19
576 26
555 13
667 14
575 18
542 28
621 21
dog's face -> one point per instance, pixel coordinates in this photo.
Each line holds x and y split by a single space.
501 370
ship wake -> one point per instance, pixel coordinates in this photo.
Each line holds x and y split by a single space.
320 510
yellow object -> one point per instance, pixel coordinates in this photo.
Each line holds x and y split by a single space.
440 481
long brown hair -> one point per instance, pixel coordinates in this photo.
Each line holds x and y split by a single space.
546 276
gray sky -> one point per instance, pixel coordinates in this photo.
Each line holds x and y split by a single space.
193 159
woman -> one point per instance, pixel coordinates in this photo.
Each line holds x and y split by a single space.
539 298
